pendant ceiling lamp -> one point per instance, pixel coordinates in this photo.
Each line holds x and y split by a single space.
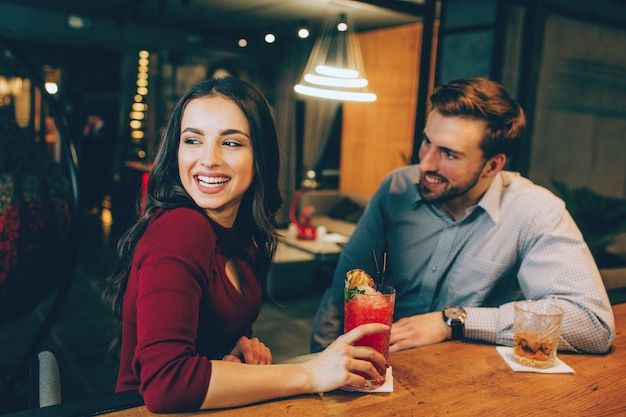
335 68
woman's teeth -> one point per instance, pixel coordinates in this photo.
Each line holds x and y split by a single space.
212 181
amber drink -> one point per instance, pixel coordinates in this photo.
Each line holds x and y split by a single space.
536 331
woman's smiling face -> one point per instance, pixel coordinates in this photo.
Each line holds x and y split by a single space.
215 156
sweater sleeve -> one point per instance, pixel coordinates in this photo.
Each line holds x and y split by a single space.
171 262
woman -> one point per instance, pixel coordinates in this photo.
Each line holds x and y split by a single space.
187 283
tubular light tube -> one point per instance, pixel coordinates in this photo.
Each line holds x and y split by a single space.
336 82
333 94
336 72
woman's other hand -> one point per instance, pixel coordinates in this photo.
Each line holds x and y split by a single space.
250 351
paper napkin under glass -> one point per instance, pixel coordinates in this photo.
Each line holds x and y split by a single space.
506 352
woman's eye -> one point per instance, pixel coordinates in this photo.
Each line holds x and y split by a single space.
231 143
191 141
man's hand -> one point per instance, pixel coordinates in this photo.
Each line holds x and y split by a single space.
251 351
420 330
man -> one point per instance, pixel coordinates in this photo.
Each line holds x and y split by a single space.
461 232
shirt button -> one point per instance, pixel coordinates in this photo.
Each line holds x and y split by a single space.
434 269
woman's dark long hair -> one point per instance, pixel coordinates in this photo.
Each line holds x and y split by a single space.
165 190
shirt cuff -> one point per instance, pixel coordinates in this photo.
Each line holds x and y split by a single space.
482 324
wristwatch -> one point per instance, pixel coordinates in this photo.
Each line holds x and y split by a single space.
454 316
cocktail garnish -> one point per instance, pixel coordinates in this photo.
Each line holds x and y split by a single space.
356 281
359 278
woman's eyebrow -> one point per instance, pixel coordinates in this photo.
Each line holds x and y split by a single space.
222 133
193 130
234 131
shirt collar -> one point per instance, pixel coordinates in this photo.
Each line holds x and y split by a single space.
418 196
490 201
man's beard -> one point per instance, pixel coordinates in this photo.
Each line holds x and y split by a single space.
449 193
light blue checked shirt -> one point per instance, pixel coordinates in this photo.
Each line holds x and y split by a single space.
518 242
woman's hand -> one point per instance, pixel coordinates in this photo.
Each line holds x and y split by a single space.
336 365
250 351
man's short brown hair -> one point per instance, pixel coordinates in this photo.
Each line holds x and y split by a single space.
481 98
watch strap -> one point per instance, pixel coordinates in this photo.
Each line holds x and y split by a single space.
457 329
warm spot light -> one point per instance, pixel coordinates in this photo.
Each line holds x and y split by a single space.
51 87
303 33
140 106
137 134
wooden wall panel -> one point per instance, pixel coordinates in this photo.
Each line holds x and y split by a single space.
378 137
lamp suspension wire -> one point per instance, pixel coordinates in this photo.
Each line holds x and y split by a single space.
335 68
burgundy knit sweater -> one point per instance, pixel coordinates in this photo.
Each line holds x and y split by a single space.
180 309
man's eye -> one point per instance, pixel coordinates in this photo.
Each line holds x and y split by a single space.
449 155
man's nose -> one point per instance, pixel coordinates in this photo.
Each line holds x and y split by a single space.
428 160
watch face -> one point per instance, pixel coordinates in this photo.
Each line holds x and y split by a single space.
454 312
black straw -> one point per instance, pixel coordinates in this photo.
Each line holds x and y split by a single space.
382 276
378 276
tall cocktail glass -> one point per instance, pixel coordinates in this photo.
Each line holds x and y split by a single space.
366 305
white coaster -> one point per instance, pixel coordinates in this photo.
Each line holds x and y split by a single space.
386 387
507 354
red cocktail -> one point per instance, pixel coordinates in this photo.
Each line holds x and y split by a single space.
366 305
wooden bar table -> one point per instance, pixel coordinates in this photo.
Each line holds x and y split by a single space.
466 379
453 378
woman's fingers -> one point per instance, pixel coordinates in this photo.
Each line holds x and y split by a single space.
251 351
257 353
231 358
370 356
368 364
364 330
366 353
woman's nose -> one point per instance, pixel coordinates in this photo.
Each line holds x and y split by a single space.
211 156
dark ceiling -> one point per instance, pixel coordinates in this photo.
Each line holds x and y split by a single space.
235 18
39 29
